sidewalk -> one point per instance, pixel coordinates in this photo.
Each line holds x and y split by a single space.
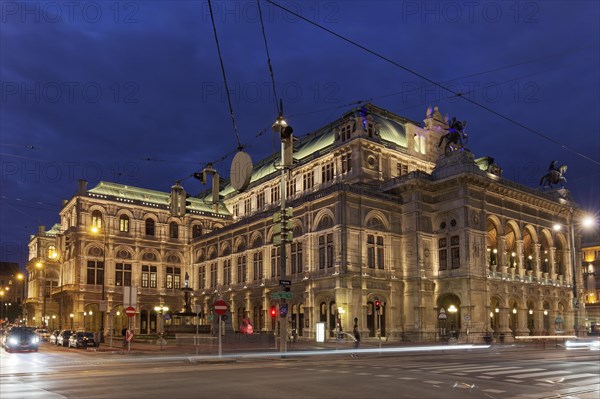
235 344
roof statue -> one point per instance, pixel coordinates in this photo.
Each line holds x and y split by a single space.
456 135
554 176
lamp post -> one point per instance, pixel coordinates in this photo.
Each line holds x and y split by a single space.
71 317
21 277
96 231
341 313
40 265
161 309
586 222
452 310
2 308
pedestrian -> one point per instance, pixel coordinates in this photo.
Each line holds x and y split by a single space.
124 334
356 340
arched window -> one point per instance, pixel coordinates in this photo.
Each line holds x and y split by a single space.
196 231
124 223
150 227
173 230
52 252
97 219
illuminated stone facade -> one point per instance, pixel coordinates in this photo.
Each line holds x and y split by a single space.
380 213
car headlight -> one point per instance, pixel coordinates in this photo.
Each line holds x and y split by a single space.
35 340
13 341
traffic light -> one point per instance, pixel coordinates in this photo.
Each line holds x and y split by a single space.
377 305
273 311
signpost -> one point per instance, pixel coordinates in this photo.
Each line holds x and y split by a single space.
130 313
220 307
281 295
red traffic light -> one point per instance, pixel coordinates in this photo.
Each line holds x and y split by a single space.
273 311
377 305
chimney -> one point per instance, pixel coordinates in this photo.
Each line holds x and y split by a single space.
82 187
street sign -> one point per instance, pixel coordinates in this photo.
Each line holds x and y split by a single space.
220 307
281 295
442 315
129 336
130 311
283 309
285 282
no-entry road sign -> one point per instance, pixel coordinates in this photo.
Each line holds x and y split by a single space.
220 307
130 311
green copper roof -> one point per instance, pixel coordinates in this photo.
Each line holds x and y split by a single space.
54 230
151 197
391 130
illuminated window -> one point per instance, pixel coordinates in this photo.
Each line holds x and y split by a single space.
124 223
97 219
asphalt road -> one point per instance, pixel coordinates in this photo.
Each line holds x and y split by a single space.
497 372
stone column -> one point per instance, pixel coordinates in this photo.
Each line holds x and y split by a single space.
536 261
552 265
520 263
502 258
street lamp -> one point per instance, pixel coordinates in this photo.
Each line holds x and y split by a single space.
40 265
586 222
96 231
161 310
452 309
341 312
2 308
21 277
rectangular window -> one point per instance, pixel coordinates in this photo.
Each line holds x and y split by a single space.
173 277
169 277
153 276
260 200
123 274
241 269
326 251
322 252
346 163
401 169
227 271
371 251
297 257
258 266
443 254
275 261
291 187
202 277
455 252
247 205
95 272
213 275
308 180
380 260
236 210
327 172
274 194
330 250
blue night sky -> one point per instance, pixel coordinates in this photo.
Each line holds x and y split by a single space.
132 92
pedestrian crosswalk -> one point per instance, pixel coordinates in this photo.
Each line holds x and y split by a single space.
512 374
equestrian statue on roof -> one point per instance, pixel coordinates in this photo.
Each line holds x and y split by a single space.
554 176
456 135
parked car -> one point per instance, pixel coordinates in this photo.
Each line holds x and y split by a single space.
21 338
63 337
82 339
53 336
43 334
